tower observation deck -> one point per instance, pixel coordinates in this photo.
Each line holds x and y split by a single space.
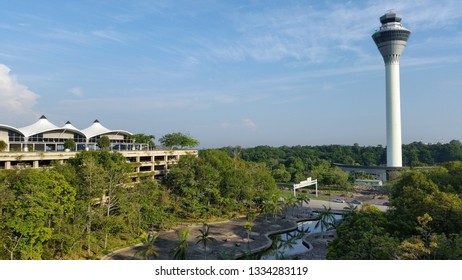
391 39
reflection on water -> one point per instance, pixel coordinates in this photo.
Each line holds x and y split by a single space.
291 243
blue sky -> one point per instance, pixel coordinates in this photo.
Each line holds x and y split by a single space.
230 72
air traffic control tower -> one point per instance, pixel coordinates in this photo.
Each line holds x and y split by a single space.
391 40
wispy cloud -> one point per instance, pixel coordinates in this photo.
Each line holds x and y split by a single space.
111 35
249 123
76 91
325 33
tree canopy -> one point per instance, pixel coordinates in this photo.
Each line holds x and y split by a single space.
178 140
424 221
144 139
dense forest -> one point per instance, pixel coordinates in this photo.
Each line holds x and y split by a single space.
293 164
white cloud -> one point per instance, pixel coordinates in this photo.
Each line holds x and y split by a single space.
77 91
16 98
325 33
249 123
110 35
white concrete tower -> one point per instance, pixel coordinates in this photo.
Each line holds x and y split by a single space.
391 40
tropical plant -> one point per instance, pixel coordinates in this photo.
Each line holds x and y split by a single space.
180 251
149 248
289 203
248 228
302 199
271 206
204 237
350 208
326 219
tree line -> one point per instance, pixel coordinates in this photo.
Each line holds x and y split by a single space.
294 164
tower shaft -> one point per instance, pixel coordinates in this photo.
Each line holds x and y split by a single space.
394 154
391 40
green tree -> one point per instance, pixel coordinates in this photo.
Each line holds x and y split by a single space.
421 246
91 189
149 247
248 229
362 235
69 144
180 251
204 238
116 177
34 212
195 184
104 142
178 140
289 203
281 174
272 207
144 139
3 146
416 194
325 221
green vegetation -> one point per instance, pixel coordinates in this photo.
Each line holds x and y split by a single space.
294 164
148 249
178 140
69 144
88 206
423 222
144 139
104 143
3 146
204 238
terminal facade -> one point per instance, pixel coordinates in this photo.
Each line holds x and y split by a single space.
42 143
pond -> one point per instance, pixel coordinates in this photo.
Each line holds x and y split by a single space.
291 243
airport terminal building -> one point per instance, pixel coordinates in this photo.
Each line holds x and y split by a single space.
42 143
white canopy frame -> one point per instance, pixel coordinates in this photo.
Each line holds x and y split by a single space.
306 183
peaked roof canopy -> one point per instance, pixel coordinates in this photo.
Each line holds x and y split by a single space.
43 125
98 129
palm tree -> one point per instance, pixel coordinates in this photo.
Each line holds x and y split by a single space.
302 199
350 208
248 228
180 251
204 237
272 207
326 219
149 248
289 202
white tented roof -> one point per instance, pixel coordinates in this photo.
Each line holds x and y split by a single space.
95 129
8 127
98 129
42 125
69 127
